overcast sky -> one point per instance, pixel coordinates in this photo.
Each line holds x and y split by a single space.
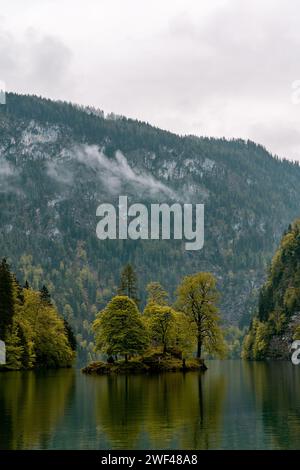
209 67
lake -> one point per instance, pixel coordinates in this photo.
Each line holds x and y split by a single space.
234 405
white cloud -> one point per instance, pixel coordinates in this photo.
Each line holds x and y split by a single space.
8 177
114 173
222 67
6 169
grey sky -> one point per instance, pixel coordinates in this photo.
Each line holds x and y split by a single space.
209 67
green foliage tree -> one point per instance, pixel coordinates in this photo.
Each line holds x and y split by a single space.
234 338
119 329
6 298
156 294
256 341
14 348
279 300
247 348
277 321
70 335
260 343
128 283
36 335
51 345
296 333
68 261
162 326
196 298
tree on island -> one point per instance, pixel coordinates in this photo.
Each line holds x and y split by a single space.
119 329
156 294
162 326
168 328
196 298
128 284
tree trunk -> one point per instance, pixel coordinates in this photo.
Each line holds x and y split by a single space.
126 357
199 348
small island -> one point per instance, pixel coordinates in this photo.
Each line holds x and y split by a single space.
162 338
148 364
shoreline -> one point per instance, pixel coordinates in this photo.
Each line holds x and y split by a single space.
147 365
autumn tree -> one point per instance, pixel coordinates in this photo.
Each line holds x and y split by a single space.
197 296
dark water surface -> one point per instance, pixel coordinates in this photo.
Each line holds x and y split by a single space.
234 405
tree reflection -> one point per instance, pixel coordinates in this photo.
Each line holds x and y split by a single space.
31 404
276 387
161 411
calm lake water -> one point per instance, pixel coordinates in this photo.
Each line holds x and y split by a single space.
234 405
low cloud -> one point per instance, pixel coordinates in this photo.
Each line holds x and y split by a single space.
8 177
6 169
57 171
115 172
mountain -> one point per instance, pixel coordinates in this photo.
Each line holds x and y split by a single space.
277 322
59 161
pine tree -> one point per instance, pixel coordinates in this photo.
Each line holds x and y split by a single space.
18 290
128 284
70 335
45 295
6 298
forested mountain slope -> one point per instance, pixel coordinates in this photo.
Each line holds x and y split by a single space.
277 322
58 162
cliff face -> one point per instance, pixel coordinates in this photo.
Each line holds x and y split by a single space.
280 345
277 322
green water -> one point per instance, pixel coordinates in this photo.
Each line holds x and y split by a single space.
234 405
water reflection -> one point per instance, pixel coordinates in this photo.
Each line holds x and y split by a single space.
164 411
234 405
276 386
31 405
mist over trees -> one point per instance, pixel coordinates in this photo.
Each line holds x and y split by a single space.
49 198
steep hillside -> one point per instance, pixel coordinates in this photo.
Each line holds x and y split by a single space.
58 162
277 323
